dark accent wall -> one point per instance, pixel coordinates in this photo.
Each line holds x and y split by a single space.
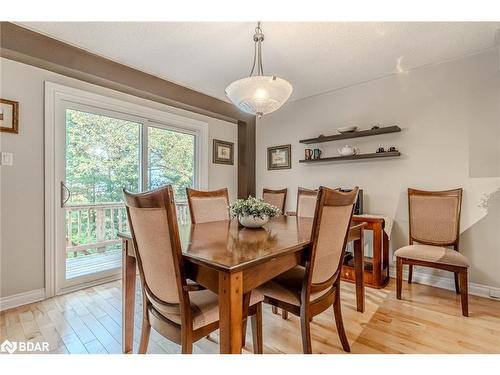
28 47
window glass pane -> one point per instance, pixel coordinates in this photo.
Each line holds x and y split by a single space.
171 160
102 157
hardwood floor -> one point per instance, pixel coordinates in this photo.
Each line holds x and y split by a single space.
427 320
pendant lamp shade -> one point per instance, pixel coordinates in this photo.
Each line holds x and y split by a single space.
259 94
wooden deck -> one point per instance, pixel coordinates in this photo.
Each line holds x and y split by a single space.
93 263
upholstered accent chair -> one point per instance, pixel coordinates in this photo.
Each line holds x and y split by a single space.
306 203
275 197
208 206
434 227
308 290
176 307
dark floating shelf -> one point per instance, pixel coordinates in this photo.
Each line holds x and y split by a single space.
356 134
353 157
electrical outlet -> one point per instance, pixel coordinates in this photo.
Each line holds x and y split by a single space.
7 158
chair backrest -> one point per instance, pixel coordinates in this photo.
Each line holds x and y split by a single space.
306 202
329 235
275 197
207 206
153 223
435 216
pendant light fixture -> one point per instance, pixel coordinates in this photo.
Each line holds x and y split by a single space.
259 94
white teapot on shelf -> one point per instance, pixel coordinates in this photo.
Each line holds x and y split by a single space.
348 151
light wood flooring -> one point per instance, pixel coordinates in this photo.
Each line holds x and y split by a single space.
428 320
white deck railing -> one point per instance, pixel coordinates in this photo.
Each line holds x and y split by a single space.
96 226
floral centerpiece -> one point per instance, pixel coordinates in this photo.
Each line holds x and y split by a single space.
253 212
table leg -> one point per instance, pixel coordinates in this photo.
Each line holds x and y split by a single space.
230 312
358 272
128 299
377 254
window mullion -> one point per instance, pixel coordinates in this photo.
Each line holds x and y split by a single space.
144 156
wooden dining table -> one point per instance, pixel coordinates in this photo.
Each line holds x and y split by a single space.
231 261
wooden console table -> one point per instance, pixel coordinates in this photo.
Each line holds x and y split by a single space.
376 268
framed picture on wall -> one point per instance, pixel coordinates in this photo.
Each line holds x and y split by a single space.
279 157
223 152
9 116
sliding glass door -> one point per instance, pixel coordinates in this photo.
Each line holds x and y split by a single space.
107 151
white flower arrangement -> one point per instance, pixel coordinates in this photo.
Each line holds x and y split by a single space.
254 207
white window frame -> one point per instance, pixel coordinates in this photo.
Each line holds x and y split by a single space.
58 97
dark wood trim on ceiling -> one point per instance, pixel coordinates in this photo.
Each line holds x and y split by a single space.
20 44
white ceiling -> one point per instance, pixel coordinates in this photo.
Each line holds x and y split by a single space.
314 57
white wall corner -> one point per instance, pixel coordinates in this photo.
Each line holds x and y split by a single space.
479 290
20 299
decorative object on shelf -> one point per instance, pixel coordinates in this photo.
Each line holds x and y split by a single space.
9 116
308 153
375 127
259 94
392 149
223 152
355 134
347 129
348 151
380 149
253 212
279 157
316 153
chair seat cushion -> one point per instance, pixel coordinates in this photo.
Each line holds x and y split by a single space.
434 254
288 286
204 307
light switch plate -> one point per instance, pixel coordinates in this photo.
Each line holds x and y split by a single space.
7 158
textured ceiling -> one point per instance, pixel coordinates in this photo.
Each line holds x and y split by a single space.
314 57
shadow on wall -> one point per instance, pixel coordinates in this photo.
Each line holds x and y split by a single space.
485 234
399 234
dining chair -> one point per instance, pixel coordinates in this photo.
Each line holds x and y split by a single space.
207 206
434 218
176 307
308 290
275 197
306 203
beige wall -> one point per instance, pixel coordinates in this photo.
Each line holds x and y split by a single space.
450 116
22 185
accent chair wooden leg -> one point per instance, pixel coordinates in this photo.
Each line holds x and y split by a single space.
256 319
399 277
410 273
145 332
338 320
305 327
284 314
464 292
274 309
186 344
457 286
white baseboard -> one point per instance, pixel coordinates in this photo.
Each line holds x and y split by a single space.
20 299
447 283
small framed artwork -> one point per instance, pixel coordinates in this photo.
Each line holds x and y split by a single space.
9 116
223 152
279 157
